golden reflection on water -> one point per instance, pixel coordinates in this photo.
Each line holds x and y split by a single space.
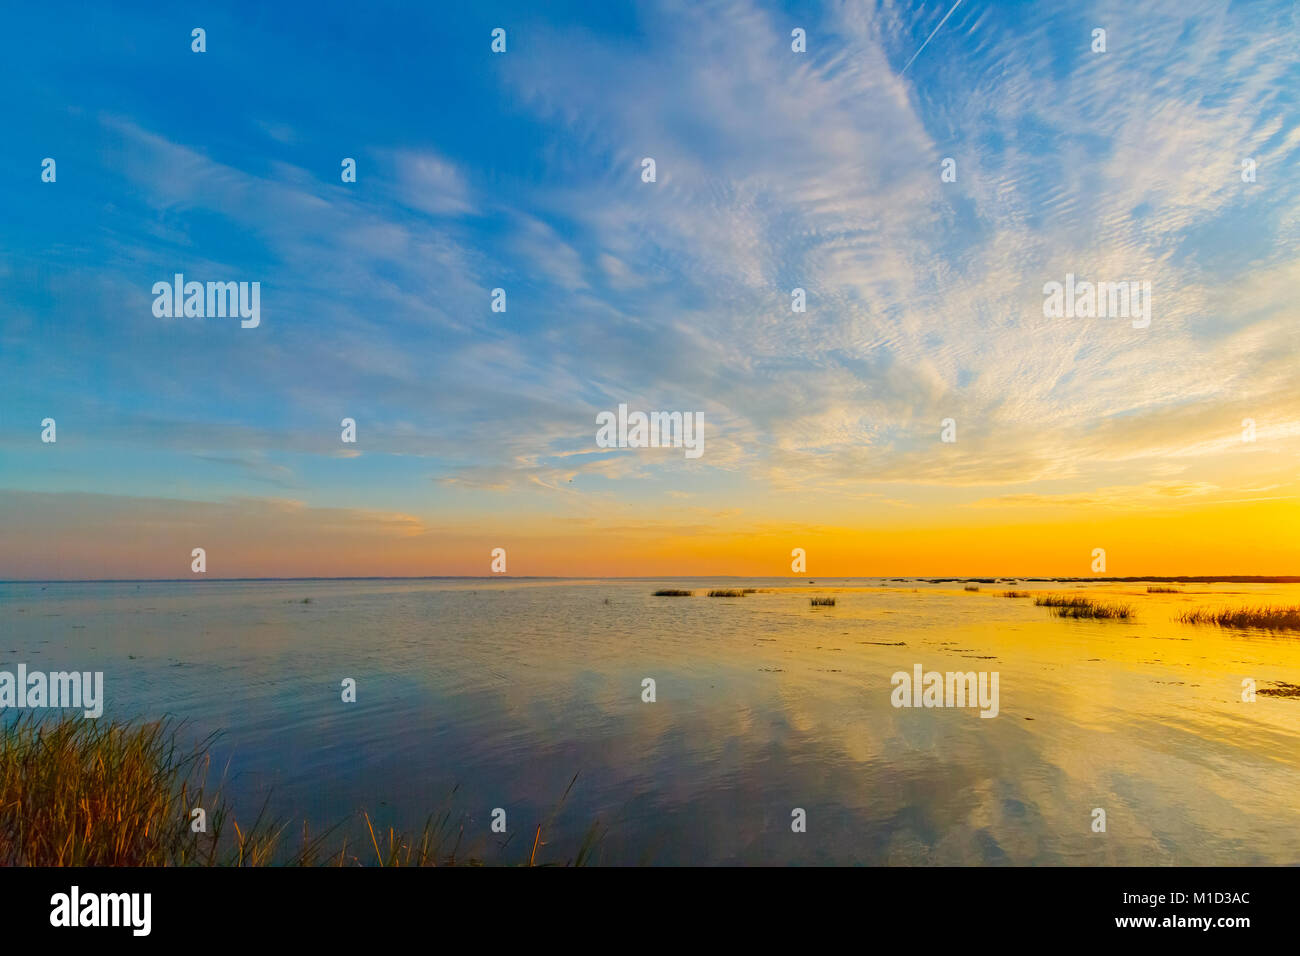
1144 718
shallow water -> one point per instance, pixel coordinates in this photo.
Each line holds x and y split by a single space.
505 689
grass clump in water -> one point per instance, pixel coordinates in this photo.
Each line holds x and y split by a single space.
673 592
1015 594
1278 618
1082 607
727 592
1060 600
822 601
1156 590
971 587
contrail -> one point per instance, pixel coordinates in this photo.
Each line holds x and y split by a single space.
931 36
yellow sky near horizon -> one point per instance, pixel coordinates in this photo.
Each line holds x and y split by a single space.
148 538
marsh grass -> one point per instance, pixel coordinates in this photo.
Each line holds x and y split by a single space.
822 601
1156 590
1272 617
441 843
76 792
1060 600
971 587
673 592
727 592
1015 594
1082 607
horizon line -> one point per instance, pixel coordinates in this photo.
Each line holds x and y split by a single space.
985 578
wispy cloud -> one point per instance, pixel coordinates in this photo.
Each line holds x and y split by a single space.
776 170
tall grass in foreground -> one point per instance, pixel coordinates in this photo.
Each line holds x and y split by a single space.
77 792
673 592
1156 590
727 592
1279 617
1082 607
822 601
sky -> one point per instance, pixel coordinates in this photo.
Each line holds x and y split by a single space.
774 170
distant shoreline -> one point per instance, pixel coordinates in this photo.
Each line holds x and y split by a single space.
794 579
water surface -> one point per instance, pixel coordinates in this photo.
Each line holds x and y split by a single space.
502 690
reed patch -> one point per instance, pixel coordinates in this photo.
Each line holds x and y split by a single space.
1269 617
1082 607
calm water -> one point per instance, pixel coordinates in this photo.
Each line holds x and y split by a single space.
506 689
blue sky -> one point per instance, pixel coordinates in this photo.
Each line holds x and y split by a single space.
522 171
